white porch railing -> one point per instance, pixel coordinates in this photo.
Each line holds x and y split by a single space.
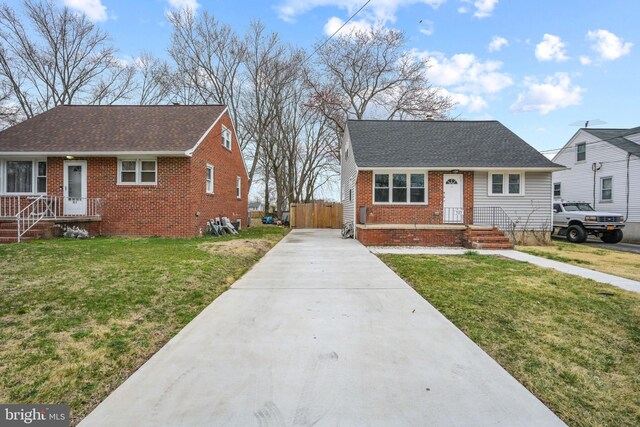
39 207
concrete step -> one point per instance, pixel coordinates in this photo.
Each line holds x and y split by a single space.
476 245
496 238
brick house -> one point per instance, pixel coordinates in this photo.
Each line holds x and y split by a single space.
122 170
444 183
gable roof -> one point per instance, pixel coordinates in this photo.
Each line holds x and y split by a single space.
76 129
441 144
616 137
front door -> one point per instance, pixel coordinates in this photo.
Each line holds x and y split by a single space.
453 199
75 187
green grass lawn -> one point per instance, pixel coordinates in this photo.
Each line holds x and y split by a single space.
623 264
575 348
77 317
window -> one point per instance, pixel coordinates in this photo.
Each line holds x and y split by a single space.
226 138
506 184
557 208
238 187
581 152
399 188
137 172
496 183
606 189
23 176
557 189
209 179
41 178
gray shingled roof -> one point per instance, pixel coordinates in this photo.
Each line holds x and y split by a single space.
454 144
91 128
616 137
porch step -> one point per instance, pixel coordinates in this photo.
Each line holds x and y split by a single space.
9 231
486 239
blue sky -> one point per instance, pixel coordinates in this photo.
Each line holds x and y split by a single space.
537 66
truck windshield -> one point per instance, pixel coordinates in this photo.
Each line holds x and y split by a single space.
571 207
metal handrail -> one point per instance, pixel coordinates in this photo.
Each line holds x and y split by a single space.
29 216
10 205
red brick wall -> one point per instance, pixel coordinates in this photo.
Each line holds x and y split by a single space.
227 166
410 214
136 210
379 237
169 208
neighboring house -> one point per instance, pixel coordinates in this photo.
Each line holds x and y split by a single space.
604 170
256 207
444 183
124 170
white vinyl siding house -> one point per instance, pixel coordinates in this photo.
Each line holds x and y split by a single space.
531 209
615 184
348 176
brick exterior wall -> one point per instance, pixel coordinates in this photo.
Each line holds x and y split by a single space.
409 214
177 206
430 213
440 237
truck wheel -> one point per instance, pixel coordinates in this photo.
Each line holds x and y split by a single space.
576 234
612 237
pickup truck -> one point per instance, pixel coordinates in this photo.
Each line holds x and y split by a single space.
578 220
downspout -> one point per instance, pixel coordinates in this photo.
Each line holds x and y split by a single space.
595 170
626 217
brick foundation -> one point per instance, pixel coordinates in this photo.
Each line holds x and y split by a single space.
410 237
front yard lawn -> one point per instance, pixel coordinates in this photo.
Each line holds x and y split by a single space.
573 342
618 263
77 317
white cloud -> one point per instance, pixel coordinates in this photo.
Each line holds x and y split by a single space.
551 48
381 10
585 60
427 28
484 8
497 43
184 4
473 103
609 46
94 9
543 97
466 73
334 23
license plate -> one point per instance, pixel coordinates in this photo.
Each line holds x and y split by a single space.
610 227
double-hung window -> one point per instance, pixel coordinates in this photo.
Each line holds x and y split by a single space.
226 138
137 172
399 188
506 184
581 152
606 189
23 176
238 187
557 189
209 178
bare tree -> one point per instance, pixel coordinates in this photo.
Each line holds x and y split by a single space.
154 84
370 73
53 56
208 56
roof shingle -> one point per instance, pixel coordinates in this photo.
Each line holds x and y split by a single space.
454 144
616 137
117 128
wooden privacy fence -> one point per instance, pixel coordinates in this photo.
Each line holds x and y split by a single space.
316 215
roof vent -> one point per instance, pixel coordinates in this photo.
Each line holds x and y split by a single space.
176 103
430 117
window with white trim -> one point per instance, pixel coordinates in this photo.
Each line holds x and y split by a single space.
226 138
23 176
137 171
209 178
506 183
606 189
399 188
238 187
557 189
581 152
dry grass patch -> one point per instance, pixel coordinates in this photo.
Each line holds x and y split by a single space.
77 317
573 347
623 264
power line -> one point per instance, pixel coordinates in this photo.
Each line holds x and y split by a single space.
337 31
598 141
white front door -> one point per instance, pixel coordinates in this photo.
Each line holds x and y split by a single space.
453 199
75 187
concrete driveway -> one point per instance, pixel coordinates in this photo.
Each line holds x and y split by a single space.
320 332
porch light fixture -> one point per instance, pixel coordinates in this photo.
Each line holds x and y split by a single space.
455 171
69 157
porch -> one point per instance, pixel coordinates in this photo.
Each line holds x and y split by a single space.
475 228
24 217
